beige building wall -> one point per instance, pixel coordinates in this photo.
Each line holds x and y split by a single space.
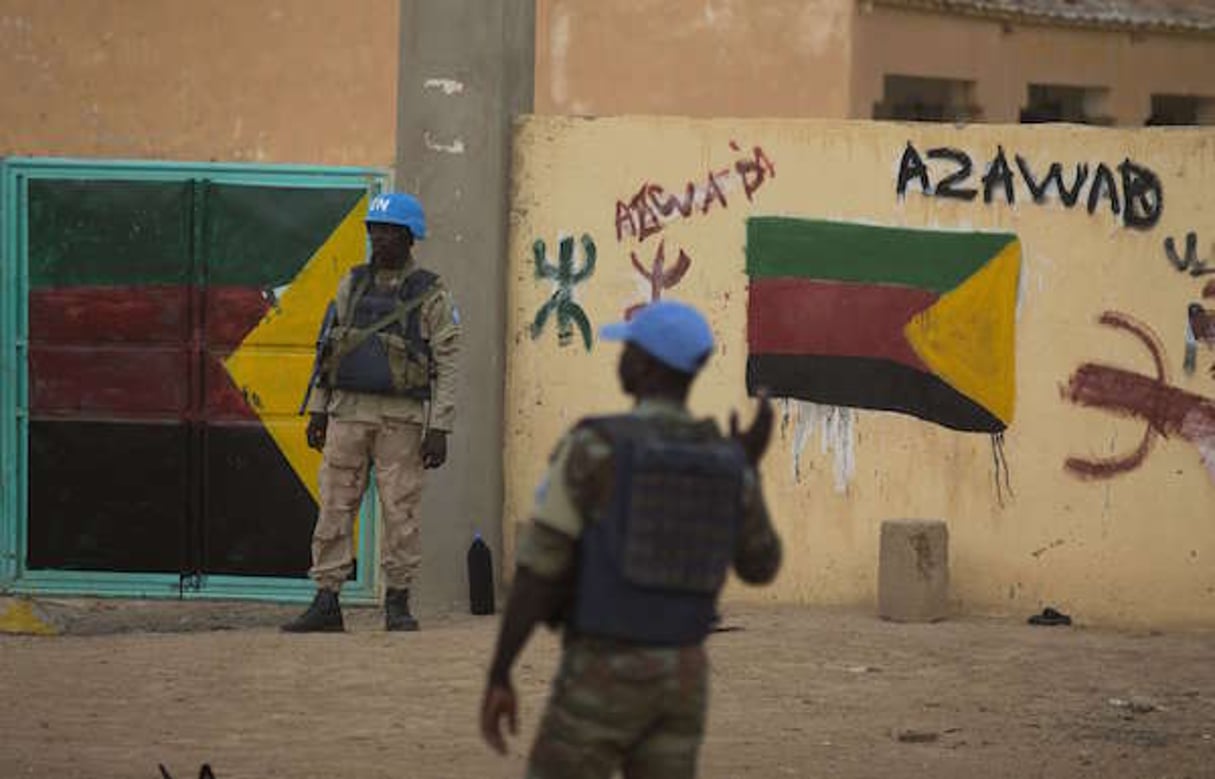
693 57
1003 58
827 59
1133 548
260 81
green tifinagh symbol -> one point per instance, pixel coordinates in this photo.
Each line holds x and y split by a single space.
569 313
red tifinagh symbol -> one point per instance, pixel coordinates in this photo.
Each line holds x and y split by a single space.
1098 385
659 276
1165 409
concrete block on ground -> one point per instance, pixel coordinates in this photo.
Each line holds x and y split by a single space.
913 570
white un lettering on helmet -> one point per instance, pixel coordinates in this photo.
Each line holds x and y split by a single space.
380 203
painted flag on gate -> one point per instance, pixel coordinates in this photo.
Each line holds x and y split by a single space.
171 333
916 321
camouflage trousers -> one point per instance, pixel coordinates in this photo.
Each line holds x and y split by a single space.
350 449
620 706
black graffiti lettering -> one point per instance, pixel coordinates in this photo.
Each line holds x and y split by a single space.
1070 196
998 173
948 186
1134 192
1054 176
1105 186
912 167
1142 195
1191 262
1191 252
1037 191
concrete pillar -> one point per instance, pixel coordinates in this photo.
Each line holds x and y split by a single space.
913 570
466 70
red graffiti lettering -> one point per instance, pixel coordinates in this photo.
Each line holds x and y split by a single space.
647 220
754 172
713 191
1166 410
672 203
648 211
624 219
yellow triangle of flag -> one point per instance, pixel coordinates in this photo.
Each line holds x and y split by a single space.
967 337
271 367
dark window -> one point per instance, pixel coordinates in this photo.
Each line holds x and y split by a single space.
1060 103
1181 110
915 98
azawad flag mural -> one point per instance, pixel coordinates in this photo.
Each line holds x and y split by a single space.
915 321
171 329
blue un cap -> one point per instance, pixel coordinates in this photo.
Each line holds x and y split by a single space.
398 208
671 332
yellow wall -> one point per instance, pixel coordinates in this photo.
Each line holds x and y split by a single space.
263 81
693 57
1135 548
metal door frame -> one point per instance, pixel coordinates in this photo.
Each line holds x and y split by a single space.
15 172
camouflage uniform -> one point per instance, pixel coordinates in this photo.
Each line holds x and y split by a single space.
616 704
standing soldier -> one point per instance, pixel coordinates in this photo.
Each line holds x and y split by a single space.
385 390
635 527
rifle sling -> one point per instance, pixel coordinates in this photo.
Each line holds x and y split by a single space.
403 309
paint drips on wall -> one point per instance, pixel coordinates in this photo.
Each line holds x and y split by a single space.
837 434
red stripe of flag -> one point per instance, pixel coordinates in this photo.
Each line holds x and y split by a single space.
808 317
134 351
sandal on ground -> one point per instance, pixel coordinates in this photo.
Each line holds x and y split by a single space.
1050 616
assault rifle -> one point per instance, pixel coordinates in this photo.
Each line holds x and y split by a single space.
322 352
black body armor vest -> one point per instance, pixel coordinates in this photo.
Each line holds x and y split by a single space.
652 563
379 348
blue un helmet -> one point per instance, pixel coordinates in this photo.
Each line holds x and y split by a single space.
671 332
398 208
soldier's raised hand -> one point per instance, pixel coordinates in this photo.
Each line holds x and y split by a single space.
754 440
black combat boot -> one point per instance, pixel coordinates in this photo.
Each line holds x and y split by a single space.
324 615
396 611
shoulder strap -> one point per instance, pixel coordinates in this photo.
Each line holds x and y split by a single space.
419 283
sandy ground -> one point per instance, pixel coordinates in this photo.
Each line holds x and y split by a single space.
796 692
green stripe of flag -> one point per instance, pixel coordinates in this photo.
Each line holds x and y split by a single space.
935 260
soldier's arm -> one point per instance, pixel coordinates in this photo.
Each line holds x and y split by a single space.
545 572
533 599
758 556
442 320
